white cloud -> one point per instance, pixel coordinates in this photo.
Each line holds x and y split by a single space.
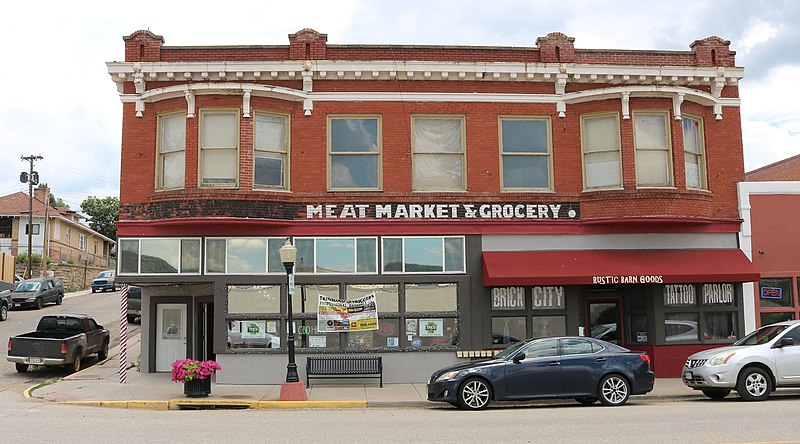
758 33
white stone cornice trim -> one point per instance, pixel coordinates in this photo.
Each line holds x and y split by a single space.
421 70
677 94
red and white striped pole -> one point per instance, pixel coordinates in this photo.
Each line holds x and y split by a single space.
123 335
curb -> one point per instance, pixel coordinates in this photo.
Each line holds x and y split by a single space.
183 404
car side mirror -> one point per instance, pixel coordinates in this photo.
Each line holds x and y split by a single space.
519 357
99 327
785 341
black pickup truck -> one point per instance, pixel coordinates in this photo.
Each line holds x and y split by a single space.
59 340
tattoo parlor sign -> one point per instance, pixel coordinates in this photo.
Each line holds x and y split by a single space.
438 211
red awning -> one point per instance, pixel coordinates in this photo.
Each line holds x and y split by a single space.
586 267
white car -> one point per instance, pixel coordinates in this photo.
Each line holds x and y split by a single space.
754 366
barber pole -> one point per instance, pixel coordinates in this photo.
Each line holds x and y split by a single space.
123 335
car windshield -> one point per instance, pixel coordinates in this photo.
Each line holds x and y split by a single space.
104 274
29 286
762 335
510 350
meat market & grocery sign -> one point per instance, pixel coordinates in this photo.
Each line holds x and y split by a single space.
508 211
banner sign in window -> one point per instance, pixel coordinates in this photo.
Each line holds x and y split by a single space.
771 293
334 315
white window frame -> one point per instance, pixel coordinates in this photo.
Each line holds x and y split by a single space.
204 253
180 240
379 153
415 153
82 242
202 149
666 149
548 154
274 151
161 156
701 155
617 149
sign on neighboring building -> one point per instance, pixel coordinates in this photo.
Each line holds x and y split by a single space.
547 298
679 294
334 315
508 298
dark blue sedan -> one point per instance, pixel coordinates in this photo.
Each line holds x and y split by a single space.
585 369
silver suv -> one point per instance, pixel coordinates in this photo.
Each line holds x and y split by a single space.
754 366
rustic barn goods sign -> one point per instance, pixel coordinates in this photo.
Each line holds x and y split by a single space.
503 211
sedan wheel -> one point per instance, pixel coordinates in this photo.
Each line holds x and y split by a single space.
39 303
614 390
3 312
59 299
716 394
754 384
474 394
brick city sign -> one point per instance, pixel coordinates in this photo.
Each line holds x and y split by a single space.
503 211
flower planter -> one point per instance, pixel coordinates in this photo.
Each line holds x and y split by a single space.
197 388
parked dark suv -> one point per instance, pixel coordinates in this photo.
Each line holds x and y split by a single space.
5 299
37 292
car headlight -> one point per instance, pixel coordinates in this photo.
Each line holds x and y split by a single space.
446 376
30 299
721 359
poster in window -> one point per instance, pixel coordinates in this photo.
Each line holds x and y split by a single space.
335 315
431 327
316 341
253 329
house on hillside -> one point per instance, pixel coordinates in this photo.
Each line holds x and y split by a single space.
769 200
479 195
62 236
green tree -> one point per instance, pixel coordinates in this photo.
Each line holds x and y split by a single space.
103 214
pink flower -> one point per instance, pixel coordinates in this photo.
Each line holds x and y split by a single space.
189 369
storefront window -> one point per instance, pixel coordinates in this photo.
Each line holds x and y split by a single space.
543 326
306 297
215 255
340 255
771 318
247 256
775 293
190 255
253 334
680 327
720 326
129 256
387 335
431 297
423 255
159 255
428 332
508 330
247 299
386 295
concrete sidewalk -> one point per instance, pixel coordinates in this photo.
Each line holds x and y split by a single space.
99 386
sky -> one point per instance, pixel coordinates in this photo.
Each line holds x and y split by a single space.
58 100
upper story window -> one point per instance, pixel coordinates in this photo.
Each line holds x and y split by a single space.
270 163
67 235
34 231
438 154
694 153
219 147
354 153
653 149
601 152
171 155
95 246
525 150
82 242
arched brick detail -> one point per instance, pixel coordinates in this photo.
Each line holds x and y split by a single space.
556 48
713 51
308 44
143 46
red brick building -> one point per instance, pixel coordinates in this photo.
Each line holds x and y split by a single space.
482 194
770 237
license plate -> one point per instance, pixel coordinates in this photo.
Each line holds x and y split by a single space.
15 305
688 376
35 360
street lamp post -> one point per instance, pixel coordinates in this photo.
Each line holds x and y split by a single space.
292 389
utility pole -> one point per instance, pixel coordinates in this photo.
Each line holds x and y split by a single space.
32 178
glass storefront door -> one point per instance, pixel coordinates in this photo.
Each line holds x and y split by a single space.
604 320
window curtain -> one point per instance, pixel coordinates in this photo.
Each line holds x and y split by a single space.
438 154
